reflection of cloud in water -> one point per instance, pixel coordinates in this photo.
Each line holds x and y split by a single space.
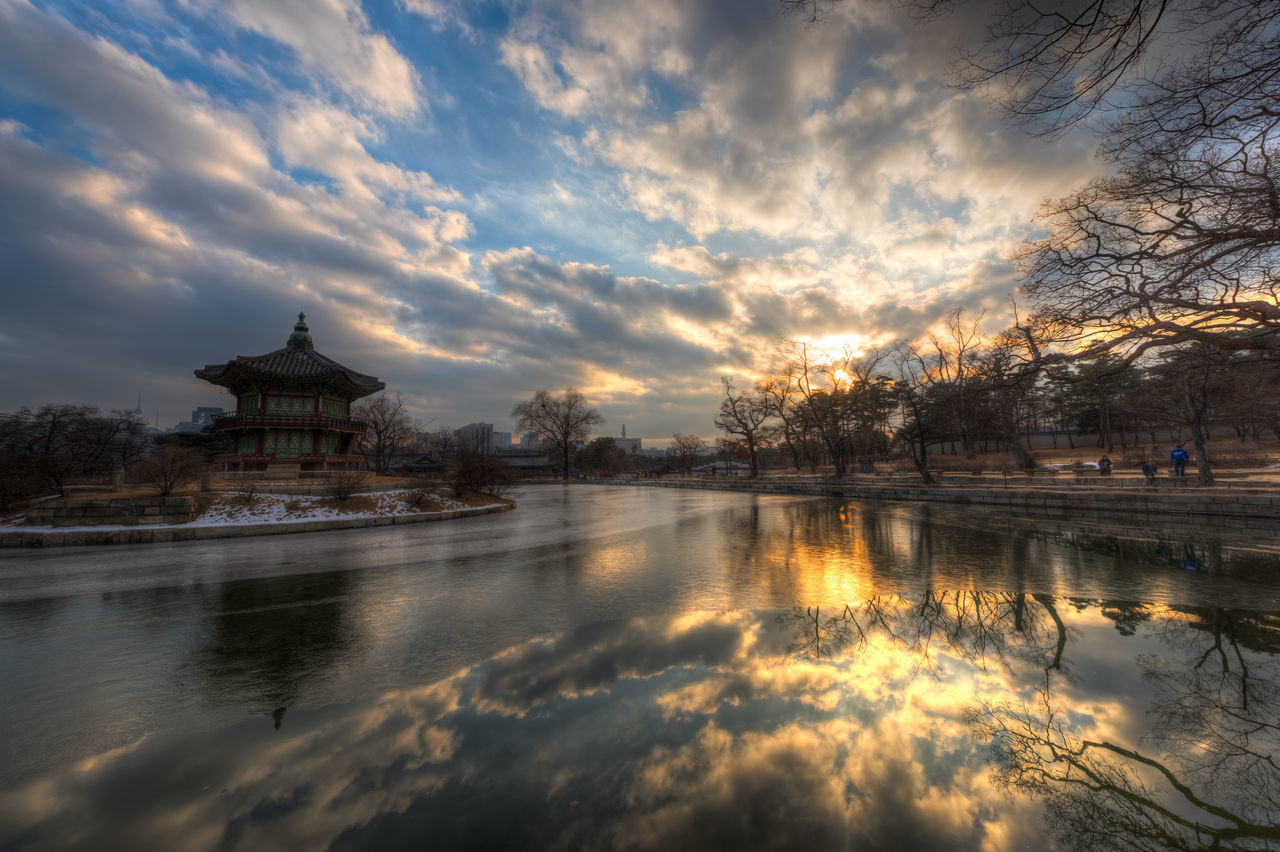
592 657
707 730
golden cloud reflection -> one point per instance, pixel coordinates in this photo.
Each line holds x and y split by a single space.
851 725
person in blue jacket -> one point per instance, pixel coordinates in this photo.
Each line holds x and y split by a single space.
1179 457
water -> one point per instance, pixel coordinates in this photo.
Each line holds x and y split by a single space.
635 668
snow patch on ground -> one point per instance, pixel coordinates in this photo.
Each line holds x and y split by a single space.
230 510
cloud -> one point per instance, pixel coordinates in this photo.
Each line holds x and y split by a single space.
316 135
536 71
333 39
839 147
856 749
180 209
632 198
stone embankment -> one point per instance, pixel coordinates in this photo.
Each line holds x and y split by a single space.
1247 503
113 511
192 532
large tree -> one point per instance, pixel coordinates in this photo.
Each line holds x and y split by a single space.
684 450
745 414
390 429
69 442
559 421
603 455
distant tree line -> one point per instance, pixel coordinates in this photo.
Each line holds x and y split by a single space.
965 393
45 450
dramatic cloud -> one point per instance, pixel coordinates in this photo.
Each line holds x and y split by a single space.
630 198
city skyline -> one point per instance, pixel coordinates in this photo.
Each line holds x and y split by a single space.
476 201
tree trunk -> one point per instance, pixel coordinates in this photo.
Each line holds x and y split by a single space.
795 456
1196 407
1022 456
920 457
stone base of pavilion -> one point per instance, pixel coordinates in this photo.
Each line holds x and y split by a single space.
246 466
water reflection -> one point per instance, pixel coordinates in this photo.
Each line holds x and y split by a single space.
265 639
896 722
1203 777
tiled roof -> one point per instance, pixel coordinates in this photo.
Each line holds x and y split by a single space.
297 362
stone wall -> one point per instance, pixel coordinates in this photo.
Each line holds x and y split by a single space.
112 511
1249 508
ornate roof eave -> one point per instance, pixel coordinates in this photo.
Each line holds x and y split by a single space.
236 373
297 364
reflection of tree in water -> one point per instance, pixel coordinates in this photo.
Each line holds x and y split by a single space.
268 637
981 628
802 547
1209 778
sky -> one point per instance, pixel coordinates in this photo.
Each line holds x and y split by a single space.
476 200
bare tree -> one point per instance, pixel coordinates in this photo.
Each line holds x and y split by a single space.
477 472
954 359
782 394
918 419
169 466
390 428
684 451
66 442
1172 251
344 484
746 414
558 421
1055 64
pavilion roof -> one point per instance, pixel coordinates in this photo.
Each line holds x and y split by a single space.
297 363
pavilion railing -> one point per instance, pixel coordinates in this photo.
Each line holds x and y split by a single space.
242 420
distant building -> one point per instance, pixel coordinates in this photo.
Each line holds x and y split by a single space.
530 441
501 440
630 446
528 463
293 409
477 436
200 418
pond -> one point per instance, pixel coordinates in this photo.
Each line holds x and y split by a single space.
631 668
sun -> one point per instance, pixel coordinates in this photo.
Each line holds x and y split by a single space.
836 344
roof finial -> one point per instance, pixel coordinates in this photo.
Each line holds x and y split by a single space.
301 334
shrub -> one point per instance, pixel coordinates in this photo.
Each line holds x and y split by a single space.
20 480
342 485
481 473
168 467
245 490
422 499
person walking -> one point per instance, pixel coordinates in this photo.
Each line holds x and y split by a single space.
1104 466
1179 457
1149 471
